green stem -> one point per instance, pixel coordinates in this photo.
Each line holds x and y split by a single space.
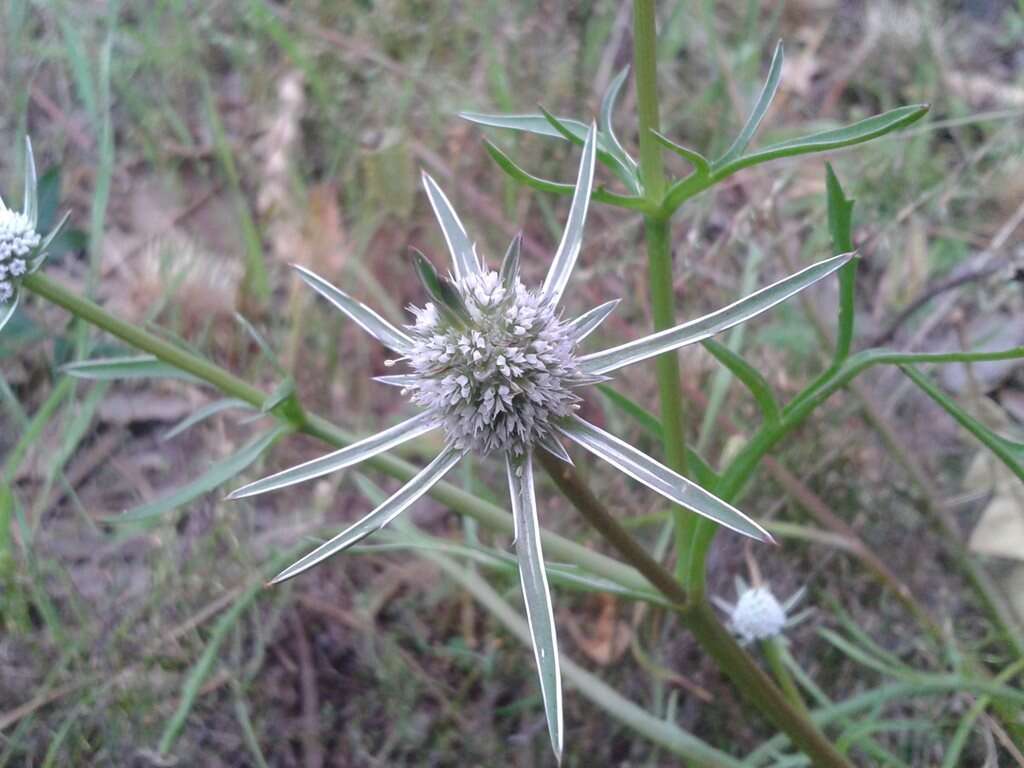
455 498
773 652
659 260
645 72
698 616
758 687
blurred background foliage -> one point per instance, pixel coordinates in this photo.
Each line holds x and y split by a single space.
203 146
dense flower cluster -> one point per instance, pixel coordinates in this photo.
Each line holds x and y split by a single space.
18 239
22 248
498 383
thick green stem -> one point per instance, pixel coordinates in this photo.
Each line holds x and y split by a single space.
455 498
659 261
698 616
645 72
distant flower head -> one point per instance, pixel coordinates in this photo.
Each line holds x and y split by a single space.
18 239
758 615
497 366
22 248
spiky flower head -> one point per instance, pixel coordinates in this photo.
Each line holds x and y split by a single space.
495 364
498 368
758 614
22 248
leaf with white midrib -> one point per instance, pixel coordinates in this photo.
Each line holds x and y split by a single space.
658 477
378 518
461 247
588 322
536 594
375 325
348 456
696 330
572 238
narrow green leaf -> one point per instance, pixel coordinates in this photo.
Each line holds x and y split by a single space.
218 474
1009 452
643 417
700 164
538 125
764 100
449 301
823 141
524 177
261 342
626 173
605 116
749 376
203 413
130 367
282 392
840 224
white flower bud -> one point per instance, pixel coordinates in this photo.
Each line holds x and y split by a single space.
758 614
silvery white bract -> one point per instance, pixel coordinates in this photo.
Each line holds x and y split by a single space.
758 614
22 248
497 366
